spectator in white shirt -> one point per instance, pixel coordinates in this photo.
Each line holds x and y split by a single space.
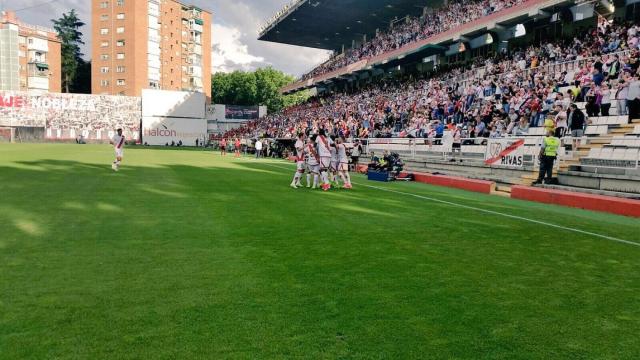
258 149
633 98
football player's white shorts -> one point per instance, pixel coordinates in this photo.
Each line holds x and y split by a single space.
334 165
314 169
119 152
325 163
300 166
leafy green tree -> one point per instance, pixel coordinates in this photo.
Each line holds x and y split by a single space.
260 87
220 88
68 29
270 81
81 83
243 88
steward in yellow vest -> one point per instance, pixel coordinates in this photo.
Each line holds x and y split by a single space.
548 155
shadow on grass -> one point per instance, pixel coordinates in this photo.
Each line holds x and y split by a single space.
40 196
174 148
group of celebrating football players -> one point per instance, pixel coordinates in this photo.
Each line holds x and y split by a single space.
323 159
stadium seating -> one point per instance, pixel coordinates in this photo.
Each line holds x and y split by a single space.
348 114
597 130
609 120
390 111
626 141
613 157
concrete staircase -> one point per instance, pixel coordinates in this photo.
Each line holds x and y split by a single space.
502 189
594 143
614 184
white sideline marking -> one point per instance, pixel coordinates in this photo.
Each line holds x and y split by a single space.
450 203
506 215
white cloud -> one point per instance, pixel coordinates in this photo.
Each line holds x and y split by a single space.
246 16
235 33
229 53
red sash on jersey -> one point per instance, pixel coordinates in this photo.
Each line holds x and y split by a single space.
313 152
324 141
120 143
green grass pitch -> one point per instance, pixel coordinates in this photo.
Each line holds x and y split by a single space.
185 255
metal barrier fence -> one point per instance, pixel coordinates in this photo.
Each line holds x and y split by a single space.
444 149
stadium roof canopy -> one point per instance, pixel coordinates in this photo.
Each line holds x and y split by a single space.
329 24
321 18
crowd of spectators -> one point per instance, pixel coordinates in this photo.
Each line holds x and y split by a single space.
412 29
494 97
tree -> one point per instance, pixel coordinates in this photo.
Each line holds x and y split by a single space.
260 87
220 88
81 83
70 36
243 88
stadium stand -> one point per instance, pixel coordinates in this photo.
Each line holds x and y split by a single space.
503 89
449 16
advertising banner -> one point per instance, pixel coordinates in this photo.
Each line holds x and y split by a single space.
233 112
505 153
68 116
163 130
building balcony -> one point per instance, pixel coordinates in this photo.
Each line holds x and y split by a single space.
195 60
38 83
195 71
196 27
37 44
195 82
37 69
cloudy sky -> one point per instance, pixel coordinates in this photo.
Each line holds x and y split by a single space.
236 23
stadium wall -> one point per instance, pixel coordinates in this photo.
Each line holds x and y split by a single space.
173 116
27 117
160 131
480 186
609 204
64 117
175 104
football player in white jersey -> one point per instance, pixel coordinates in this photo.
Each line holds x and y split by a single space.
343 163
334 163
118 146
299 161
313 163
324 152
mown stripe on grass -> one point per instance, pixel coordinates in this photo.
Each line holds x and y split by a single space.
492 212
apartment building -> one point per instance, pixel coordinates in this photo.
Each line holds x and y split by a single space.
150 44
30 58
